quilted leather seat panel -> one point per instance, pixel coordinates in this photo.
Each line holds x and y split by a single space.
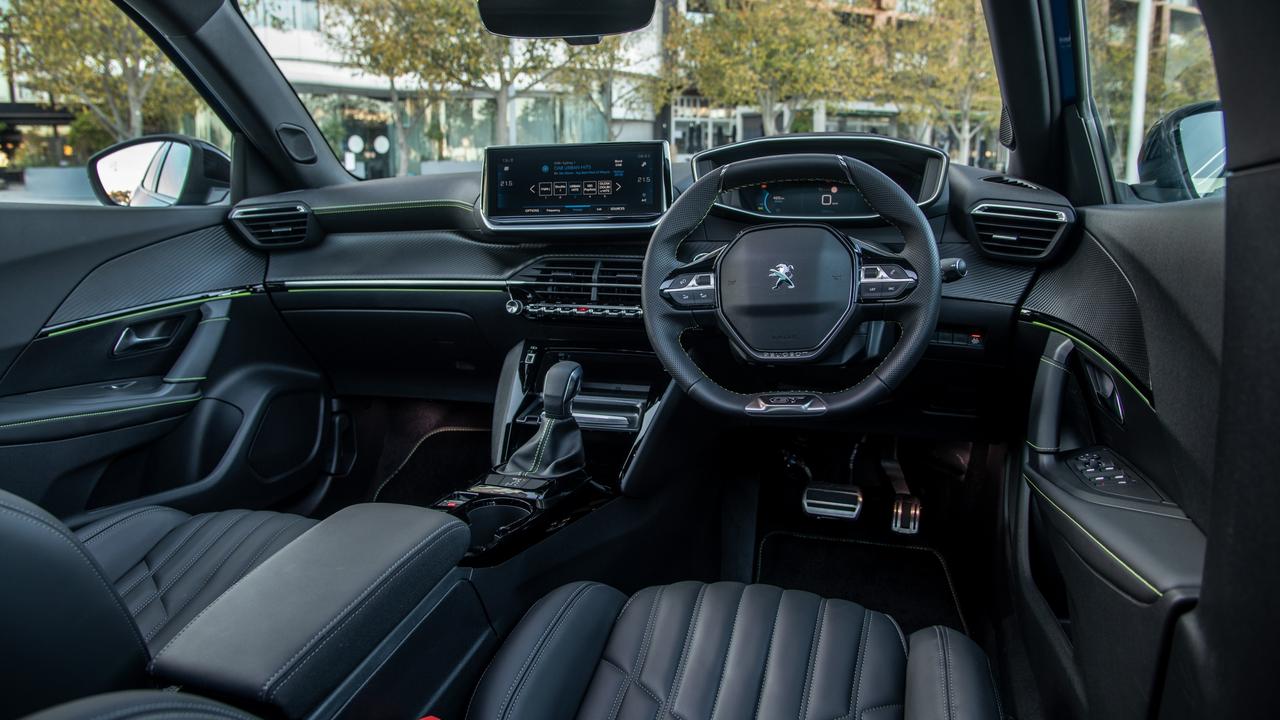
693 651
168 565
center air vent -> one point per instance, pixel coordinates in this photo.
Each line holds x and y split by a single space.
1017 232
273 227
582 287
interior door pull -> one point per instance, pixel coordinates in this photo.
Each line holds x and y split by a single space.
137 338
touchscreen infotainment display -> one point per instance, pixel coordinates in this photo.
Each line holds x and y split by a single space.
571 181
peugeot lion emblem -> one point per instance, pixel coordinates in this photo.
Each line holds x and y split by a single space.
782 275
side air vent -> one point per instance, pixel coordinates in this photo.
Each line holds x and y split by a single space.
1018 232
1006 180
275 227
578 287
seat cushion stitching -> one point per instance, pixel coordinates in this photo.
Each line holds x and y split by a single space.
669 705
354 607
195 527
555 618
207 579
118 522
768 654
634 681
942 675
642 653
182 572
815 643
855 692
901 638
538 655
946 652
728 652
878 707
84 555
266 546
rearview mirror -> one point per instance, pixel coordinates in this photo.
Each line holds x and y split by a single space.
1184 155
159 171
574 20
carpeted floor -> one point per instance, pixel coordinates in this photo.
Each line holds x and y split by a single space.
909 583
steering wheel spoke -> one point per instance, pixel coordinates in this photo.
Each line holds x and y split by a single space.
691 290
886 282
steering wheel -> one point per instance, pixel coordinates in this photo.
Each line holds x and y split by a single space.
788 293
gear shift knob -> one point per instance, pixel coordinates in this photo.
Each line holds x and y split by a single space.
559 388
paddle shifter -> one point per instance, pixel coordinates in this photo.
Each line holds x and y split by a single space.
556 449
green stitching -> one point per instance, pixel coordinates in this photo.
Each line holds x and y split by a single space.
1037 448
140 313
98 413
1096 541
1100 356
185 379
213 320
399 205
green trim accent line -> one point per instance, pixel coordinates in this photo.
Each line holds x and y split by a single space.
214 320
399 205
1037 448
140 313
185 379
1092 350
1090 535
393 289
99 413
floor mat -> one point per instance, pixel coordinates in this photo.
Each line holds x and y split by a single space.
911 584
444 460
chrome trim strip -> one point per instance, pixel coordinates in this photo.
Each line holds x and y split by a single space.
551 225
983 209
937 191
148 307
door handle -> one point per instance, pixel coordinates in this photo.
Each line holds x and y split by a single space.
148 336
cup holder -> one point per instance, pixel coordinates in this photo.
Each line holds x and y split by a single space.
490 519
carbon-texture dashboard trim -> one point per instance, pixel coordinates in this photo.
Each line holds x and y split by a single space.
199 262
1089 291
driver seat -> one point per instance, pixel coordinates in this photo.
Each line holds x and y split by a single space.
693 651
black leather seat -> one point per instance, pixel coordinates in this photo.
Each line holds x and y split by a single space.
693 651
87 608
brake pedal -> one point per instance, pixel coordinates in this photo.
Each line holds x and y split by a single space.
906 514
829 500
906 507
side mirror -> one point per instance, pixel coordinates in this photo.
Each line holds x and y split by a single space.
159 171
580 23
1184 155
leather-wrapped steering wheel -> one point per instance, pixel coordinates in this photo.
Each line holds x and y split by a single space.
789 293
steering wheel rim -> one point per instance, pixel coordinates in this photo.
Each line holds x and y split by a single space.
916 313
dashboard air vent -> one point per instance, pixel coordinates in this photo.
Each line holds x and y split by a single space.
1017 231
588 287
1006 180
272 227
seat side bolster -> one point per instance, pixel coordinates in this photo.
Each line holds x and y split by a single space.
547 662
948 678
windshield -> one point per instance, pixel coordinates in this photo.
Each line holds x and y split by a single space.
407 87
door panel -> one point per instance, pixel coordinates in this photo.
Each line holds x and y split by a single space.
1115 476
143 363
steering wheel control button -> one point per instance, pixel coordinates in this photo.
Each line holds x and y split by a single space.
885 282
786 404
691 291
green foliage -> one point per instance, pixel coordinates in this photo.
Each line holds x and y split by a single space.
89 54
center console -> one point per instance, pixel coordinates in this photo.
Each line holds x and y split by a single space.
566 426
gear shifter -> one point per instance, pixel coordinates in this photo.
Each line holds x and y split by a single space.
556 449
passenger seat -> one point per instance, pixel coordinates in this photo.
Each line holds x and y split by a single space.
85 609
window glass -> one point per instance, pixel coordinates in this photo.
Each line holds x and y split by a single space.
407 87
1155 88
77 76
